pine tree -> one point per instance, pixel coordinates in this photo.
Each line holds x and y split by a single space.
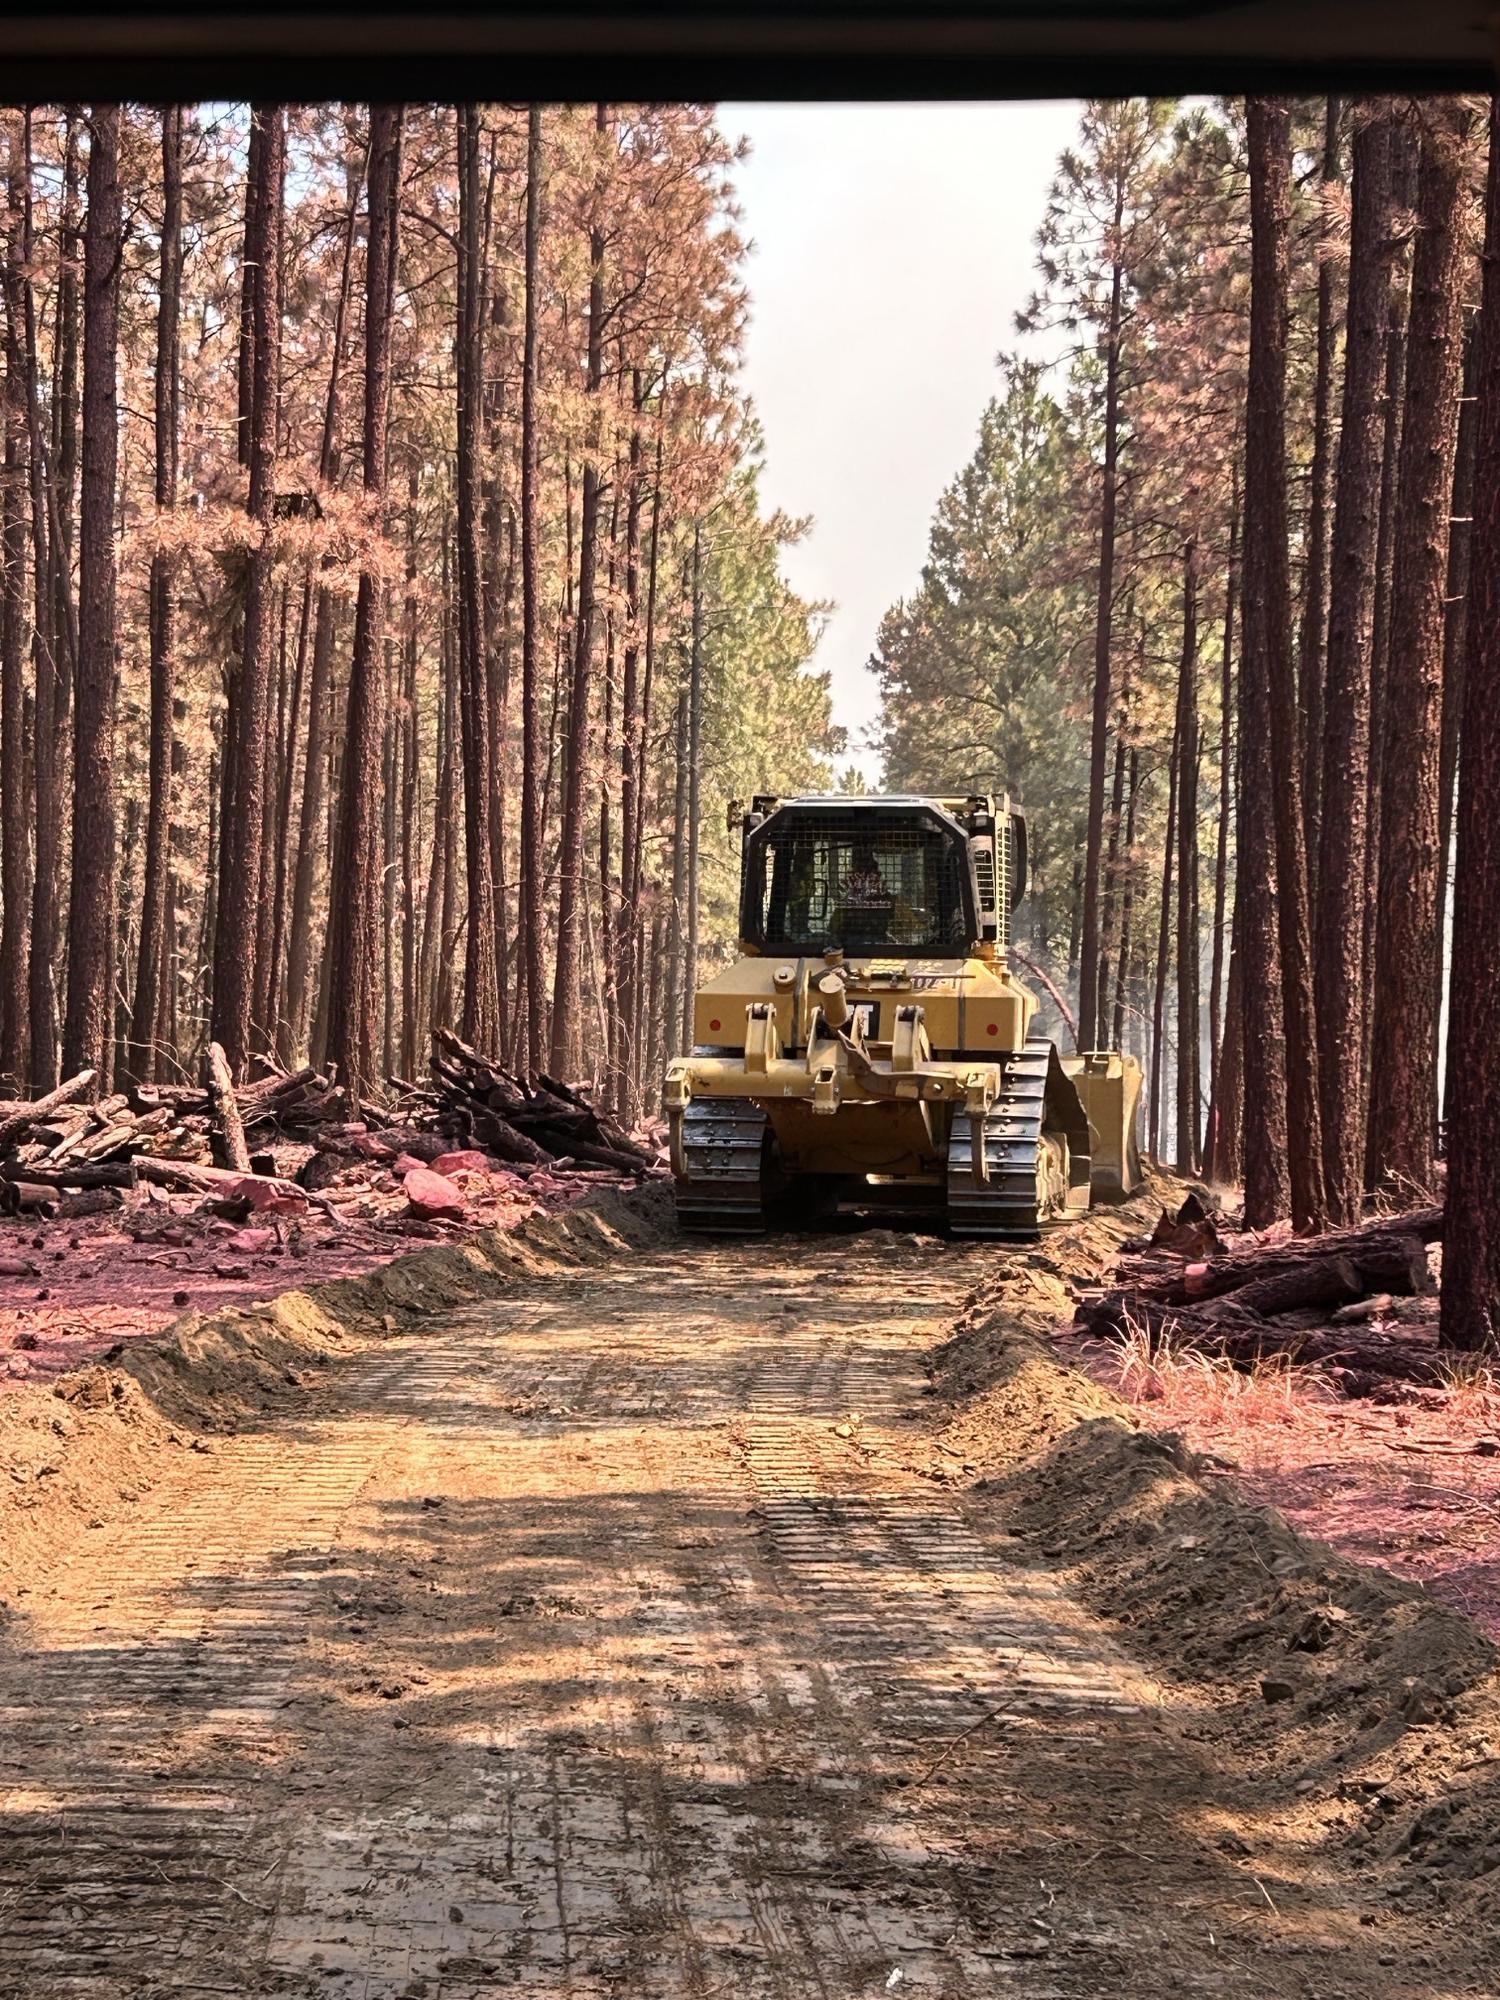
87 1023
1403 1099
1471 1246
1346 729
355 916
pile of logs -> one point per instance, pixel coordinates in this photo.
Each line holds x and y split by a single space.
1310 1299
72 1145
522 1121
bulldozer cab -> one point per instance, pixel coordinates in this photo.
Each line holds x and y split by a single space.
901 877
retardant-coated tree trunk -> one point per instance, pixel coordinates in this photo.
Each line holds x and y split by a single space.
146 1015
355 917
1346 731
242 827
1471 1243
1276 805
1403 1095
87 1024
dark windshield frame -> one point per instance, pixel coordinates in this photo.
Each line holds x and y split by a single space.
956 922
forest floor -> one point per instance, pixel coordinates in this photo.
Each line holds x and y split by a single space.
73 1286
1411 1481
579 1611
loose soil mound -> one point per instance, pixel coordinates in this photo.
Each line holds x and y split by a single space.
1361 1713
100 1437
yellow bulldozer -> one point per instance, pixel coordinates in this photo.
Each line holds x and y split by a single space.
872 1044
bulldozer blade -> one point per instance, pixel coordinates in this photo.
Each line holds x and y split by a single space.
1110 1086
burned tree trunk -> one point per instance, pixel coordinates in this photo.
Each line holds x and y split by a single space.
1403 1097
481 989
1188 1031
567 990
242 826
1471 1255
87 1024
1351 626
1271 668
1089 1000
146 1015
355 916
533 753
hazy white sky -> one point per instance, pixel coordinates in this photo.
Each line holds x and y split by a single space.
892 249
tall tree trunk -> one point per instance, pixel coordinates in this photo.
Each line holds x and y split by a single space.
146 1015
1403 195
567 991
1111 927
14 849
1471 1244
1089 1004
242 826
1403 1097
1351 632
1226 790
1128 941
627 920
54 668
532 883
356 913
315 760
87 1023
1163 955
1188 1029
1276 808
1460 542
694 793
481 1018
1315 596
641 1045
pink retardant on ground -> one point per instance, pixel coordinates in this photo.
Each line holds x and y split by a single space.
1412 1484
100 1279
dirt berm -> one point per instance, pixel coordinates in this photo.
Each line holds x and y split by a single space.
74 1453
1362 1716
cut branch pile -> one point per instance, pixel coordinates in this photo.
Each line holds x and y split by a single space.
173 1135
524 1122
202 1140
1309 1300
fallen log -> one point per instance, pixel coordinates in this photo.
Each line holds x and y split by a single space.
193 1178
1314 1281
113 1175
35 1113
1386 1260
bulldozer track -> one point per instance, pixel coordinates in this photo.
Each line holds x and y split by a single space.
600 1641
724 1145
1008 1207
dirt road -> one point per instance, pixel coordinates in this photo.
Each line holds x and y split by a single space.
619 1638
